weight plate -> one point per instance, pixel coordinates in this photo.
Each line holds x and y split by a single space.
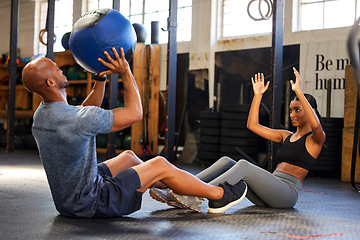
230 124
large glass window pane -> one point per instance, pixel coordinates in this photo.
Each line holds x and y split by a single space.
97 4
312 16
184 3
311 1
158 10
161 17
43 14
136 7
153 10
152 6
237 22
339 13
124 8
320 14
63 21
184 24
105 4
135 19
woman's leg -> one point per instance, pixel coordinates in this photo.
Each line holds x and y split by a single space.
216 169
267 187
254 198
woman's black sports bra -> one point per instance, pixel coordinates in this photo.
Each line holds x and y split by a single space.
295 153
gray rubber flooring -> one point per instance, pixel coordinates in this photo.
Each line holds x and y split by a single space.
327 209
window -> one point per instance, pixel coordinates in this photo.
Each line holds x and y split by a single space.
321 14
184 19
146 11
237 22
96 4
63 21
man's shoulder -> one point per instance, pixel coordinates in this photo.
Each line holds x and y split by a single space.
89 109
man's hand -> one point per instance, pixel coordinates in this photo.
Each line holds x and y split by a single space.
119 65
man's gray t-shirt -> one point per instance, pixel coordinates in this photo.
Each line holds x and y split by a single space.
65 136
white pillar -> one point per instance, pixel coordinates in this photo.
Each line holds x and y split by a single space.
203 40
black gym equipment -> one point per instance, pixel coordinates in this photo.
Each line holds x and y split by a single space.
113 88
329 159
276 69
155 32
171 82
141 32
210 134
12 75
266 16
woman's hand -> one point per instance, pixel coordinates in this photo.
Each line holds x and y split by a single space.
296 86
258 84
119 65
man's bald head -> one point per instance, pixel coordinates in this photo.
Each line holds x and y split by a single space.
35 74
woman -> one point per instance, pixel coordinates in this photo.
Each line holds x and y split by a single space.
296 155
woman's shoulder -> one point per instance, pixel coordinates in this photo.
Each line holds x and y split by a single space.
286 134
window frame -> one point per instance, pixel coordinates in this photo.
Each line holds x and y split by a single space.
222 21
142 15
43 6
298 8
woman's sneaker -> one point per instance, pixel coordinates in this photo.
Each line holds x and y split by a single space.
162 195
233 194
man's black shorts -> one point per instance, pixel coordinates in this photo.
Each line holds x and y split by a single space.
118 194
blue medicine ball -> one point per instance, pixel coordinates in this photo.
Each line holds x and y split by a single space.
98 31
140 31
65 40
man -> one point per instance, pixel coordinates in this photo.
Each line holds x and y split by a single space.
65 136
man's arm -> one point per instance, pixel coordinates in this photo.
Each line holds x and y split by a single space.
132 110
96 95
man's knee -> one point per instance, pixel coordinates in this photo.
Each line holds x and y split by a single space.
130 157
160 163
129 153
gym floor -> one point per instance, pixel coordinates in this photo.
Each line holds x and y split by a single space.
327 209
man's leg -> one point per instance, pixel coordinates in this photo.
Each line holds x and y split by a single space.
125 160
182 182
192 202
220 197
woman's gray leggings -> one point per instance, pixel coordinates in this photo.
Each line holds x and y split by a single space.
277 190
